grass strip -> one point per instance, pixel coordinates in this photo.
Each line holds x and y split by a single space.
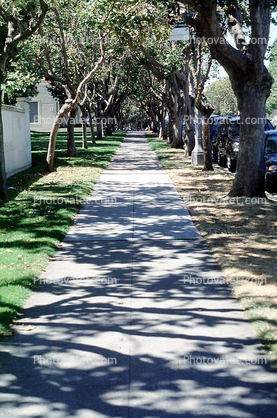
164 152
41 210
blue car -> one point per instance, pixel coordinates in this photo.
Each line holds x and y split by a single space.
271 161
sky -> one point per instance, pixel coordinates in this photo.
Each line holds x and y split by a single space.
273 31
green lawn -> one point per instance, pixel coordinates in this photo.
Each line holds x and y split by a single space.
31 227
164 156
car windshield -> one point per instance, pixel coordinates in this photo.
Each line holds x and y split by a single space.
234 129
271 145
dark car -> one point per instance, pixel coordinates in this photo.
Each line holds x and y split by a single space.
271 161
228 141
215 122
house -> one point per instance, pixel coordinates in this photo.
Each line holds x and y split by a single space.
43 110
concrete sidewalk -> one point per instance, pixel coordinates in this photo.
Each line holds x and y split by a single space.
132 317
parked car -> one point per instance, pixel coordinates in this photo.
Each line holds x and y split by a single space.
130 128
215 122
228 141
271 161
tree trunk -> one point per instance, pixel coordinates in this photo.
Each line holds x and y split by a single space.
162 124
84 130
169 132
189 124
109 129
3 177
207 150
91 127
103 127
71 148
189 139
250 175
177 124
99 131
155 125
64 110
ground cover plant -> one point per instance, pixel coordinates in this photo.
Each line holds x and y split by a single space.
40 211
240 233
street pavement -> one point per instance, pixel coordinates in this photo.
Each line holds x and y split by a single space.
133 318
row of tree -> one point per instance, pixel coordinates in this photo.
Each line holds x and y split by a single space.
102 56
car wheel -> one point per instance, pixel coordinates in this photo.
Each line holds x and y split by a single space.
231 163
221 160
270 188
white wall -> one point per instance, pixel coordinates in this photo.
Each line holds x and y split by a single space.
47 109
17 138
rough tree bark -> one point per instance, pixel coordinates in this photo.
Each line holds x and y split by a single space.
177 109
207 150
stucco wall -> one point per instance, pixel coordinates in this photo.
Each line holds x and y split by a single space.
17 138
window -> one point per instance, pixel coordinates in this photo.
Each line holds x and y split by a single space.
34 112
271 145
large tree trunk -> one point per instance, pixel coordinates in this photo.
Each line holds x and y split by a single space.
71 147
250 174
177 124
189 142
177 108
3 178
206 109
155 125
162 116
